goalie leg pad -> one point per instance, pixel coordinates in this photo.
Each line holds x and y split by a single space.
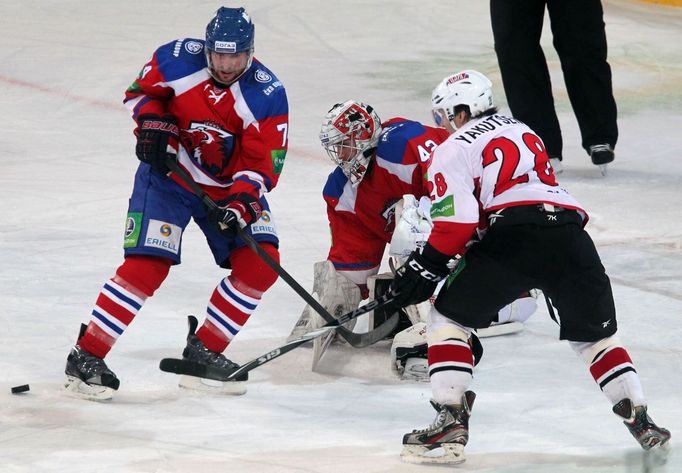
335 292
409 353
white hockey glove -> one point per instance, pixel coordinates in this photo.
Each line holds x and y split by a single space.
413 225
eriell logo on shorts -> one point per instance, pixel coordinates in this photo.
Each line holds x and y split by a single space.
165 230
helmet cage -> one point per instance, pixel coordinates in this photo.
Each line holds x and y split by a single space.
349 135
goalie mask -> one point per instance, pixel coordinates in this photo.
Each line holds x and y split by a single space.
467 88
350 132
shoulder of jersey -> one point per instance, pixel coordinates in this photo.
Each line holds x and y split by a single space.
263 91
395 137
180 58
335 184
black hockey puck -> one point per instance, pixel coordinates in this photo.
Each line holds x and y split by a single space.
20 389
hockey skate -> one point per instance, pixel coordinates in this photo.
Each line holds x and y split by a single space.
88 376
649 435
202 369
449 433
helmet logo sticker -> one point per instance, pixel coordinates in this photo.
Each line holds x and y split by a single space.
225 47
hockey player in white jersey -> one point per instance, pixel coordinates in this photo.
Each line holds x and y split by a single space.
496 167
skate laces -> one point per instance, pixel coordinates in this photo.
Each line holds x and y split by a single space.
87 363
438 422
198 352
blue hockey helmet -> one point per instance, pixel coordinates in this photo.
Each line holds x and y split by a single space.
229 44
230 31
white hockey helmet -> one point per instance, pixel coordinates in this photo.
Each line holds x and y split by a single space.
470 88
350 132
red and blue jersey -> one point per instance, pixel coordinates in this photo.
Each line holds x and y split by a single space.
362 218
232 139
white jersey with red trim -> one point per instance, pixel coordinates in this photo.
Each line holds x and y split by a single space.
489 164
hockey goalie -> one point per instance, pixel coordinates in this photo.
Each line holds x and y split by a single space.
376 197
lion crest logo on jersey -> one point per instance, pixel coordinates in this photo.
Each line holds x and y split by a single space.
209 145
356 121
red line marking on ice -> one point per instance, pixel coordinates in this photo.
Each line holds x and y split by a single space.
61 93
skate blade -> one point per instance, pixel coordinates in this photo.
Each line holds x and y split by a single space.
603 169
449 453
235 388
77 388
501 329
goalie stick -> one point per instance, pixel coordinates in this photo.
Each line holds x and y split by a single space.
357 340
178 366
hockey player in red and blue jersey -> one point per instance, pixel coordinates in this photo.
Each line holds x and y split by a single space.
378 163
223 116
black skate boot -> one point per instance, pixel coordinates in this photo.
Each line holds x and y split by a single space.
88 376
450 431
602 155
649 435
210 368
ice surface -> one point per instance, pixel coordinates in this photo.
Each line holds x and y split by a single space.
67 163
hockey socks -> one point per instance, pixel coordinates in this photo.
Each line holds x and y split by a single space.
120 300
612 369
230 306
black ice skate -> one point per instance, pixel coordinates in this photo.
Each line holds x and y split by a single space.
88 376
204 369
601 155
649 435
449 432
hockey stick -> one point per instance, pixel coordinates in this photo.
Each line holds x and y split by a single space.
181 366
357 340
335 325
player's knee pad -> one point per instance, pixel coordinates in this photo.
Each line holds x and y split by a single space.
142 273
251 270
588 351
441 328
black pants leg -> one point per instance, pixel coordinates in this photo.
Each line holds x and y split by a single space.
580 40
517 28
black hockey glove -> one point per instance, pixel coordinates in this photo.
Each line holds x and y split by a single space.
157 137
239 211
416 280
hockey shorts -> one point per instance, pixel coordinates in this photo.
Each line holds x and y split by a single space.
159 211
558 258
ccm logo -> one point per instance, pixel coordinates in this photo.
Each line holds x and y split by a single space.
426 274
